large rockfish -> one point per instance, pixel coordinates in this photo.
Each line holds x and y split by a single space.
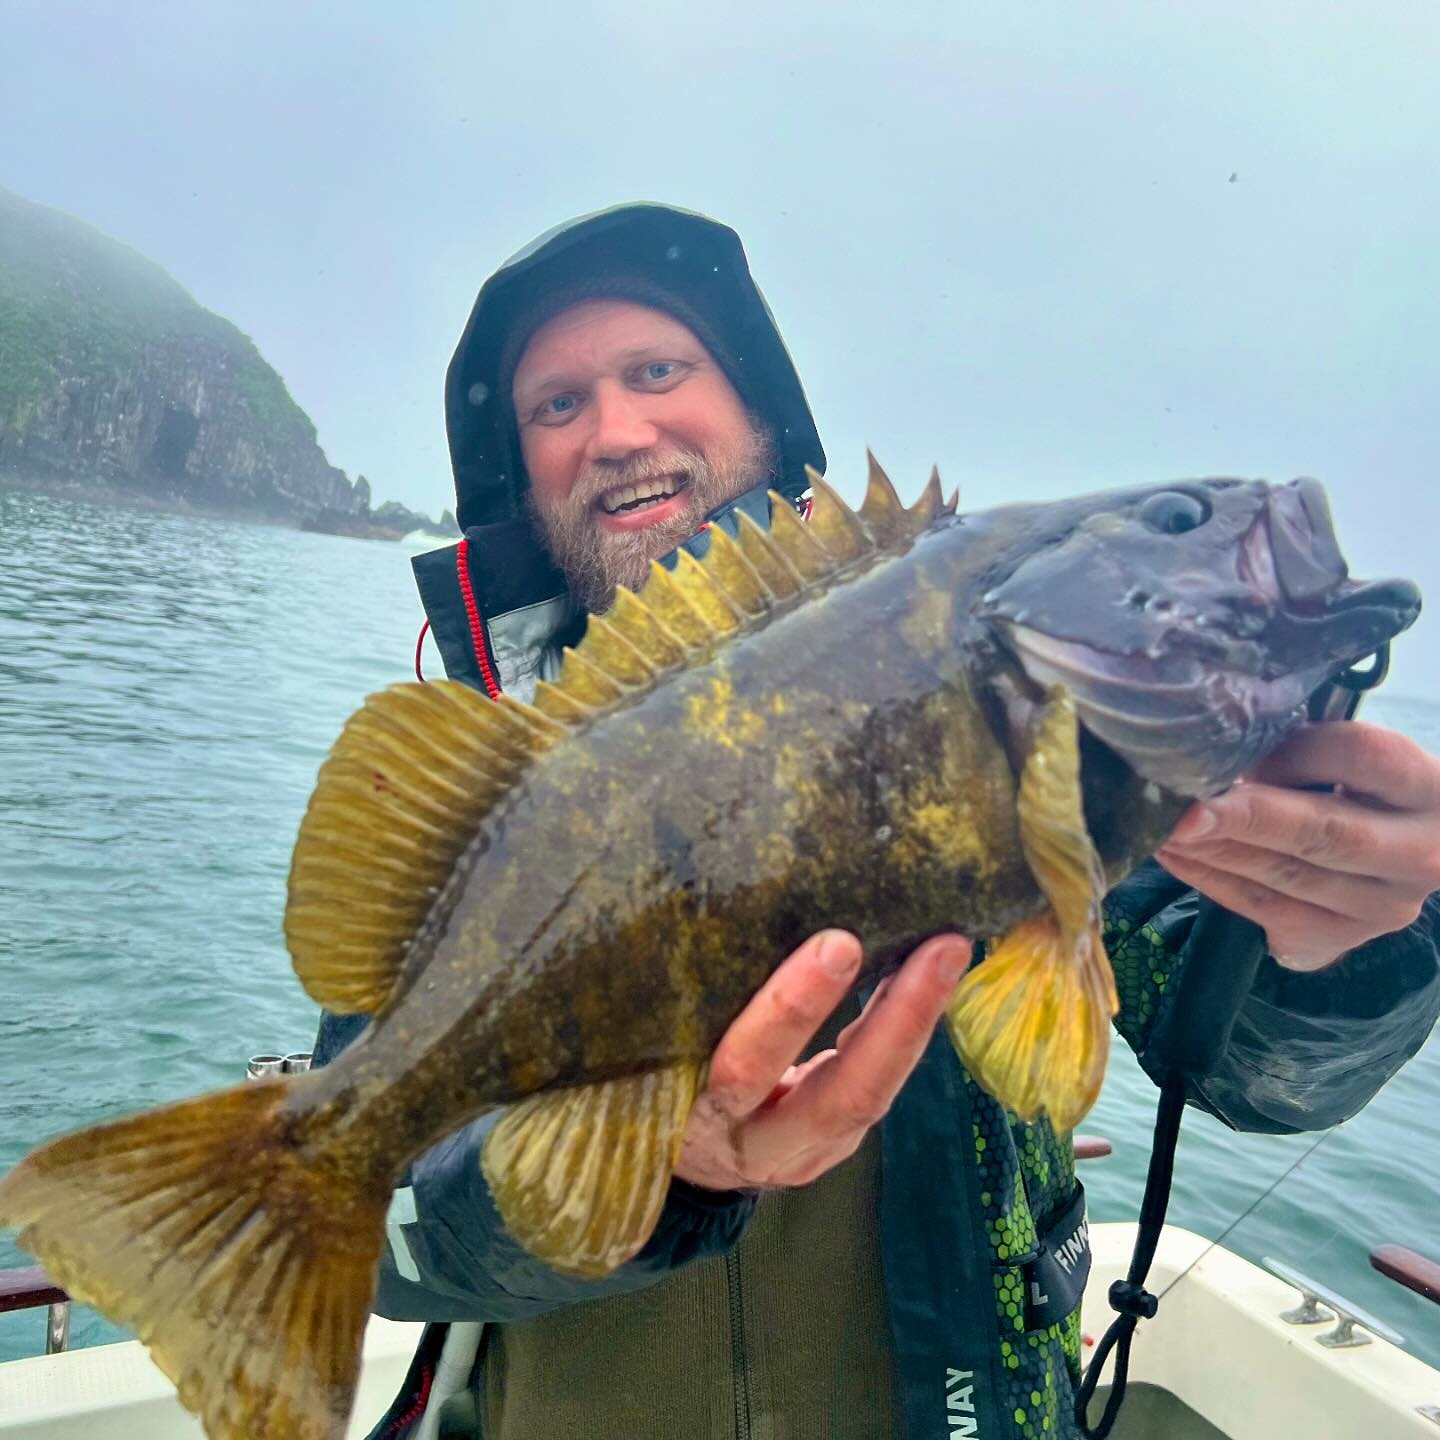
898 722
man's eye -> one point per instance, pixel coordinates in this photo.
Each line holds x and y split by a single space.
557 407
659 370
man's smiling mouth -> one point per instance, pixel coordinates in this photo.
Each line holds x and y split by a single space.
627 499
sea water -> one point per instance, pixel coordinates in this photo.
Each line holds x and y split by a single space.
169 685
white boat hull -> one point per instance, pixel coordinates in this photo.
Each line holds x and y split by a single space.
1217 1349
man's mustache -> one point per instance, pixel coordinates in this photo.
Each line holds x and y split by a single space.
592 482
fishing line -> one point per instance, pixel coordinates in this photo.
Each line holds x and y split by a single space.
1252 1207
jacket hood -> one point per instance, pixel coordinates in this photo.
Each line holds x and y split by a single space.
696 259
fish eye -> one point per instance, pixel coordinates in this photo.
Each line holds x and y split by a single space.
1173 512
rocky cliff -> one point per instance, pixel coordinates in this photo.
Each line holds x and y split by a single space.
115 380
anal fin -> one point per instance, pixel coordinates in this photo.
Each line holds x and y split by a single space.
580 1175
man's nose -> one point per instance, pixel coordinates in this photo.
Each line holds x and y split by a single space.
620 424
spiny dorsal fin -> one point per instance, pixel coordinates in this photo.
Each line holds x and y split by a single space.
687 610
838 528
770 561
607 649
706 594
586 681
726 562
931 504
672 609
560 704
644 630
794 540
883 513
400 796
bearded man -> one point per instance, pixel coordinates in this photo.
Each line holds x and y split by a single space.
852 1219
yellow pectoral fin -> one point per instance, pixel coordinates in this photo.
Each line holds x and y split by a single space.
1032 1023
580 1176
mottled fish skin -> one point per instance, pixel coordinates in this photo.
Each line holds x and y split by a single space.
927 723
836 767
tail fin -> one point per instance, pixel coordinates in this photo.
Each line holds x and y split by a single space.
246 1269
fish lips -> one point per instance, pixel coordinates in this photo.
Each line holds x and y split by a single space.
1196 713
1193 668
1313 589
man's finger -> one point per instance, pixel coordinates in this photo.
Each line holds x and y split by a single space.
770 1033
1328 831
1299 934
1366 759
855 1089
1354 896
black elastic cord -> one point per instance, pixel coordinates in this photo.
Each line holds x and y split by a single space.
1129 1297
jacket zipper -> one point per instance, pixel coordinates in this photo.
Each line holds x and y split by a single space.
477 621
739 1363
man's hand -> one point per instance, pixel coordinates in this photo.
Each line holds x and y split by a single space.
763 1122
1322 873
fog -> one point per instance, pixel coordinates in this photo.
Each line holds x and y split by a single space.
1051 247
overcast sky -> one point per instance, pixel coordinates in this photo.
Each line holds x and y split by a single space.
1052 246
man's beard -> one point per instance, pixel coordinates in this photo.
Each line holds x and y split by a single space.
596 561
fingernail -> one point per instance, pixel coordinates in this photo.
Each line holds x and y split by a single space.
838 954
1196 825
952 959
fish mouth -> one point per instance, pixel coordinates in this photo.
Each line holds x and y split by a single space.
1228 659
1320 615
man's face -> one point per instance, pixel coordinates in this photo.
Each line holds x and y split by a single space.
631 435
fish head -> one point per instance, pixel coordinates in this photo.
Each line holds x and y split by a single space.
1190 622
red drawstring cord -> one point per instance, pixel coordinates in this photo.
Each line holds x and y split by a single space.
424 631
403 1422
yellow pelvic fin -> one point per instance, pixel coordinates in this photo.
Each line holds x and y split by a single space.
580 1176
400 796
245 1267
1032 1022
